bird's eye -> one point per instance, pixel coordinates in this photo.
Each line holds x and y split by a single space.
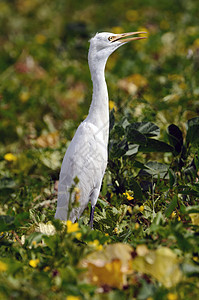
110 38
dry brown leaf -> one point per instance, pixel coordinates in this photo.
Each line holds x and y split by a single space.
132 83
110 266
48 140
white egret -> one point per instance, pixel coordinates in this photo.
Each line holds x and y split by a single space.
86 156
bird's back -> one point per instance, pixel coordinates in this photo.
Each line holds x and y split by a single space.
86 159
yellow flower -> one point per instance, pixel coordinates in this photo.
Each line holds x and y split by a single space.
78 235
24 96
141 208
72 227
10 157
96 244
40 39
130 210
173 215
117 29
179 219
73 298
34 243
128 196
34 262
3 266
46 269
172 296
112 105
137 225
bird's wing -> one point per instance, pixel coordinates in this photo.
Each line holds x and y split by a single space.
86 159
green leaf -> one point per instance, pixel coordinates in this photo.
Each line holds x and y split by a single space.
135 187
153 145
155 169
193 132
147 128
172 206
134 136
6 223
175 138
7 183
132 149
172 178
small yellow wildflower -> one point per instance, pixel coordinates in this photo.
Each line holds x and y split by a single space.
34 243
24 96
128 196
112 105
117 29
172 296
173 215
78 235
10 157
46 269
40 38
149 298
54 288
34 262
179 219
141 208
106 234
130 210
3 266
72 227
137 225
73 298
96 244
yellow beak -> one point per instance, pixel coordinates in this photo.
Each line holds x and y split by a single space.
122 38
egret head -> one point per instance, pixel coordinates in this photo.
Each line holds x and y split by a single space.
105 43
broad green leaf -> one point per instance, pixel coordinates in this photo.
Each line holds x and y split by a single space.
134 136
147 128
153 145
193 132
155 169
175 138
132 149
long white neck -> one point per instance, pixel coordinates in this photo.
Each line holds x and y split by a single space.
99 109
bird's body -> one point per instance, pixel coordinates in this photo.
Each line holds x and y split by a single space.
86 156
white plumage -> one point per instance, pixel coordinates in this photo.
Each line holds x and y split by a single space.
86 156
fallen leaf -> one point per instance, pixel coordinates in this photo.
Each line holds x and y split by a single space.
162 264
110 266
48 140
194 218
